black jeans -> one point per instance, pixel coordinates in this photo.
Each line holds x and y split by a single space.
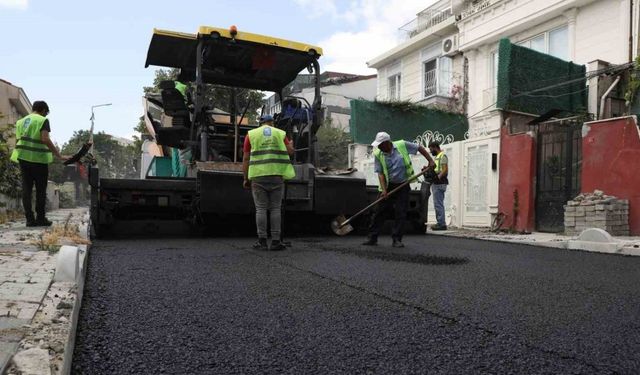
396 204
34 174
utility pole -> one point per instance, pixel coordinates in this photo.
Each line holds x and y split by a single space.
93 116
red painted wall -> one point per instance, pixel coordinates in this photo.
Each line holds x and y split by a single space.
517 172
611 162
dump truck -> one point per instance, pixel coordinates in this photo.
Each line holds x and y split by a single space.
211 193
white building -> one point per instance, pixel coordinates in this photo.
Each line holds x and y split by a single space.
450 55
337 90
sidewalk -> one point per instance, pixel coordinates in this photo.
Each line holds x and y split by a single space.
34 312
627 245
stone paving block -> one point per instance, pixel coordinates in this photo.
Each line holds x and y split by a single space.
9 324
6 352
28 313
10 291
33 294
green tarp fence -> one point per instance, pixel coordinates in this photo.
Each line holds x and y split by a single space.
402 121
522 72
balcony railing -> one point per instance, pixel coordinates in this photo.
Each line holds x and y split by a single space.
428 18
430 83
476 6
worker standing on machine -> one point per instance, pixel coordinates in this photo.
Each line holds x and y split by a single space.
180 158
393 166
266 165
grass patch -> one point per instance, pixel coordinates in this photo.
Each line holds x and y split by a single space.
10 215
66 232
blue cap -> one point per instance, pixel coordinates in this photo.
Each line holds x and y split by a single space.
266 118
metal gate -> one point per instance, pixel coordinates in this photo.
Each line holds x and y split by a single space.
558 175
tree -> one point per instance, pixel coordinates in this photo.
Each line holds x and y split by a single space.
333 145
215 96
114 159
10 182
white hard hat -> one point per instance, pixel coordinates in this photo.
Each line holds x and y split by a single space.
381 137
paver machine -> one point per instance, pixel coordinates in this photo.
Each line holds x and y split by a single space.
211 193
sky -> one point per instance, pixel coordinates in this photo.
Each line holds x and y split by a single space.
76 54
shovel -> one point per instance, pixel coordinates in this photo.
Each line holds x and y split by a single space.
340 225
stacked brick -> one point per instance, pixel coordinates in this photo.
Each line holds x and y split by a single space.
597 210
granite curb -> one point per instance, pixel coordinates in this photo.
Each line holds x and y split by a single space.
628 246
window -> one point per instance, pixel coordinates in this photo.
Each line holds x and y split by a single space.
438 76
394 87
430 78
445 76
559 43
494 67
554 42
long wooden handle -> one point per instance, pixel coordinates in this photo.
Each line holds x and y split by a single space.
410 180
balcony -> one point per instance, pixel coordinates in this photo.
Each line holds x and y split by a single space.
476 6
426 19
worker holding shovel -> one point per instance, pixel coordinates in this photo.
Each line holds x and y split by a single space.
393 166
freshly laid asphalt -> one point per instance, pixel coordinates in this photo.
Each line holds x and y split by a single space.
329 305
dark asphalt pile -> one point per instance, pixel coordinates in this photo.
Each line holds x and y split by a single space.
328 305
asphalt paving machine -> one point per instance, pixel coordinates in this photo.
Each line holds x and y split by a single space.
211 193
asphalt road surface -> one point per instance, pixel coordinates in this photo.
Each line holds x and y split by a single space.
329 305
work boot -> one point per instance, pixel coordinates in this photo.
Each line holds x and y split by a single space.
370 242
43 222
438 227
397 243
261 244
276 245
31 220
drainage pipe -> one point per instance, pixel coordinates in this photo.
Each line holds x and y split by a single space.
604 97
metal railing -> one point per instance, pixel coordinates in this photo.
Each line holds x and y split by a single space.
428 18
477 6
430 83
438 82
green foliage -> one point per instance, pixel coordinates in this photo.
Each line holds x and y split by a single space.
10 182
634 83
402 120
114 160
333 147
407 106
215 96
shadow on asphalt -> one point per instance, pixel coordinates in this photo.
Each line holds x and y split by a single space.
390 255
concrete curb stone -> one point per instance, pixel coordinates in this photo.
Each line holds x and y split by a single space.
626 246
75 311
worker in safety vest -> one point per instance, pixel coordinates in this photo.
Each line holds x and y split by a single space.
34 152
439 185
182 89
266 165
180 158
392 163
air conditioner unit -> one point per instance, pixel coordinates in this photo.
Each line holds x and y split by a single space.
450 45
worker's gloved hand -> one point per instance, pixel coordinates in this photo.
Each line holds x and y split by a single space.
246 184
384 195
